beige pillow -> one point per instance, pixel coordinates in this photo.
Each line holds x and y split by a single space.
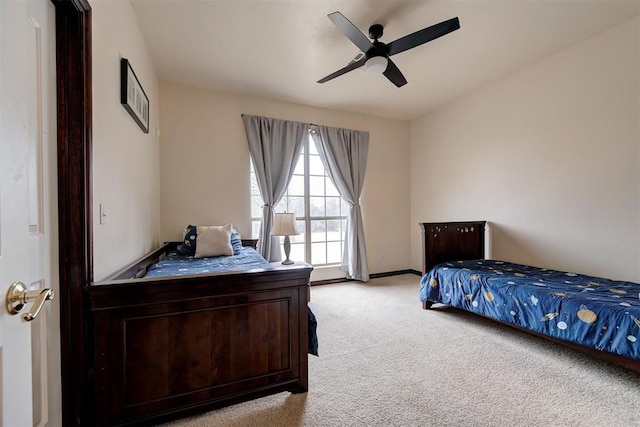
214 240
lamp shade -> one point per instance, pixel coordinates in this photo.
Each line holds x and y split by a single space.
284 224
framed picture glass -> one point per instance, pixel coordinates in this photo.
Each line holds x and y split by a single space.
132 96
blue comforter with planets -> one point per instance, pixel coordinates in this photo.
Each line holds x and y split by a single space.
598 313
175 264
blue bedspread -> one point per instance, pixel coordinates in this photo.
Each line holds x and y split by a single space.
181 265
598 313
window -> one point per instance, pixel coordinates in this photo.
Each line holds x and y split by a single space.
321 214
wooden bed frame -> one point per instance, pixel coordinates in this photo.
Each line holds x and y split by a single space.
167 348
457 241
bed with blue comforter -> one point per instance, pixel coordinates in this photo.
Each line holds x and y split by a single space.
589 311
597 316
248 259
177 334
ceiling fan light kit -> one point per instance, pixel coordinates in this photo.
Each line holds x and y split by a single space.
376 65
375 58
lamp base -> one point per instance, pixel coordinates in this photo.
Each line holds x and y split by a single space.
287 250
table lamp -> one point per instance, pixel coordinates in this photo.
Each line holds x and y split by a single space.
285 225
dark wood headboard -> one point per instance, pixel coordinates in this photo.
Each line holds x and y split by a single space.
451 241
250 242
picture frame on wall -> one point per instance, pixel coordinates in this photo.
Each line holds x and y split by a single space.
132 96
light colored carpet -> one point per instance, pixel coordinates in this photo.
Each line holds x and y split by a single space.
386 362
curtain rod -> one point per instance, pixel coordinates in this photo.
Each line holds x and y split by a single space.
242 115
310 124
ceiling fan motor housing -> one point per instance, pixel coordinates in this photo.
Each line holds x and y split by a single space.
378 49
375 31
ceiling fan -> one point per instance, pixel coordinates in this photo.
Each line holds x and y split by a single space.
375 54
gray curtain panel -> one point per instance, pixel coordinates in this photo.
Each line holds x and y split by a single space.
344 155
275 147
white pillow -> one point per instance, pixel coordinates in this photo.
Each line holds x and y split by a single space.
214 240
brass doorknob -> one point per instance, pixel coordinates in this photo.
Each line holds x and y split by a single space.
18 296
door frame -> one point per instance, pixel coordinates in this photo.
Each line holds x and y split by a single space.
75 246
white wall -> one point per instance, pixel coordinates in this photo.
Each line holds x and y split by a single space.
125 160
205 167
550 156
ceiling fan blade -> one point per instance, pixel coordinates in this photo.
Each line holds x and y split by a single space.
351 31
423 36
394 75
350 67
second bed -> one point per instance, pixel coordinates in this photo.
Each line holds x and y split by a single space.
596 315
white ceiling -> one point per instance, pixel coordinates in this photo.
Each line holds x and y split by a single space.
279 49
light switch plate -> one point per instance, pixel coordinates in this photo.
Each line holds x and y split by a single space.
103 214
